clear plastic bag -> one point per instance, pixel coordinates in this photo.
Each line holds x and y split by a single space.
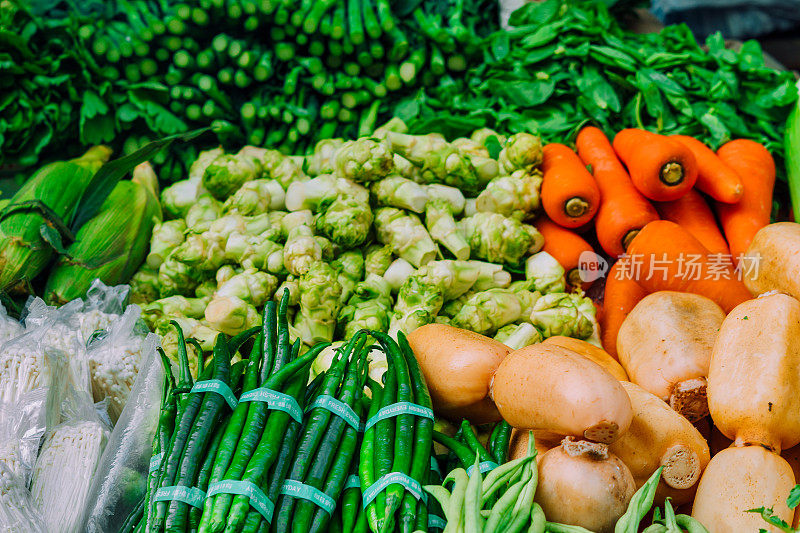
27 363
67 463
22 426
115 358
74 323
18 513
9 328
121 478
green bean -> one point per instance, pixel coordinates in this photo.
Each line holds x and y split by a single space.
455 508
472 501
639 505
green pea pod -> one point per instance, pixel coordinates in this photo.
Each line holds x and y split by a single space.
441 494
473 523
500 476
538 519
639 505
657 528
505 504
690 524
455 509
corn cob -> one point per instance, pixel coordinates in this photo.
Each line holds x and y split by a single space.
58 186
111 245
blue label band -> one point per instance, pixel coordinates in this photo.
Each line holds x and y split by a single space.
435 466
436 522
353 482
155 462
190 495
258 500
275 400
393 478
340 409
483 467
397 409
220 387
296 489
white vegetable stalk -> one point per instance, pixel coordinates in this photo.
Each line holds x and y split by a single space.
63 473
398 272
18 514
21 371
491 276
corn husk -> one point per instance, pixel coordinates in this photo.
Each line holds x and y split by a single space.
59 186
110 246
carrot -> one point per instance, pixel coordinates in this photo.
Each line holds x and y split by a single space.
714 177
692 213
756 168
570 196
565 246
622 293
623 210
661 168
666 257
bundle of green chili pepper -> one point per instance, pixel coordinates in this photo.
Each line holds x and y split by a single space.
188 434
318 471
199 446
258 430
395 457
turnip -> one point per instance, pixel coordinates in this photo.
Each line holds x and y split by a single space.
658 436
582 484
591 352
755 369
458 367
665 346
739 479
548 387
772 261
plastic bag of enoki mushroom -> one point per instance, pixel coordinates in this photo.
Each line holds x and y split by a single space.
74 323
9 328
22 425
121 478
115 357
27 363
69 456
18 513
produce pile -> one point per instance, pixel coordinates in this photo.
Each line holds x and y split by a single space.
147 69
343 230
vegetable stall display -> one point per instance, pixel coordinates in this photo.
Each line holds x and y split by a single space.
403 327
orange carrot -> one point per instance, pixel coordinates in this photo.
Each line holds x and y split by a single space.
622 293
714 177
756 168
666 257
623 210
693 214
661 168
570 196
565 246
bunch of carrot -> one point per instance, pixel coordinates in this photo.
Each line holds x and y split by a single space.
678 213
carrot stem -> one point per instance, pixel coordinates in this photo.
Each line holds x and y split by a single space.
672 173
